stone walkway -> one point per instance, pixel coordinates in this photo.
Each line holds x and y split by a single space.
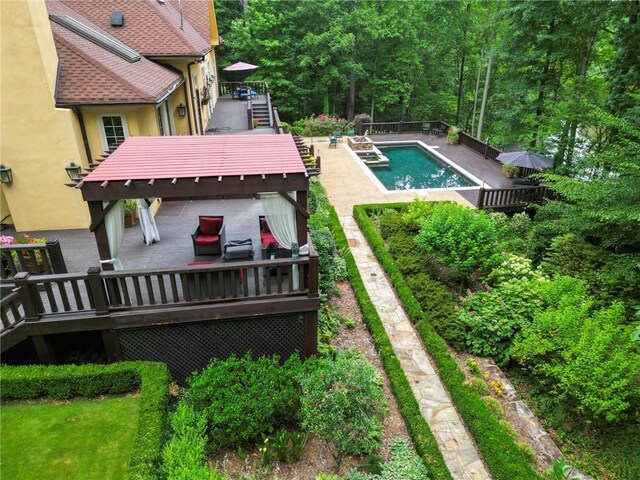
455 443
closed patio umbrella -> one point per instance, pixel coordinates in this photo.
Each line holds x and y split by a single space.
526 160
147 221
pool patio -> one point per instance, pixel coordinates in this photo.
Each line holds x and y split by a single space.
347 184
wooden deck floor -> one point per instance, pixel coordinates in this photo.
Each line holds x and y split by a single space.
176 222
230 117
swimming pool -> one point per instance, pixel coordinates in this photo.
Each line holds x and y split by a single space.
412 167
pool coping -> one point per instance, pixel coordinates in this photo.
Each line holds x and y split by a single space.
423 191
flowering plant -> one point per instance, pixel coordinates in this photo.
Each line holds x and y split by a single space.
22 239
322 125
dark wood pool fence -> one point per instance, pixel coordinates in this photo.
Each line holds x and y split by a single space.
181 316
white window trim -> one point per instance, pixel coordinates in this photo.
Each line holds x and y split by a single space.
165 106
103 137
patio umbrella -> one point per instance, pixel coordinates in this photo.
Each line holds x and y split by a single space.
240 70
526 160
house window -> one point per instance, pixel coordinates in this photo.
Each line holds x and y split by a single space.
165 119
113 130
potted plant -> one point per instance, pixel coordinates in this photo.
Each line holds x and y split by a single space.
130 209
509 170
453 135
23 258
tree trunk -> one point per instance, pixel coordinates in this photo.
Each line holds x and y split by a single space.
325 103
487 80
461 74
475 97
351 98
541 90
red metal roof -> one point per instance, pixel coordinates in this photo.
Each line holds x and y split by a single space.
146 158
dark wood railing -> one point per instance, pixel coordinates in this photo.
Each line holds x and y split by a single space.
33 258
511 198
277 124
98 293
11 311
226 88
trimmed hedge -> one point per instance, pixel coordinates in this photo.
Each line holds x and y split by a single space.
66 381
497 445
421 434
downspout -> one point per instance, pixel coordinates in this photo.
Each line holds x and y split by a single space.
83 130
186 100
195 107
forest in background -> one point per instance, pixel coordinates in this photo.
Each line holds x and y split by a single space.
558 77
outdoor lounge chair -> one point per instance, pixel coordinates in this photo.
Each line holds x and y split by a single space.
439 130
209 236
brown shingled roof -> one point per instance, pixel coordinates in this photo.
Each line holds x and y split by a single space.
90 74
150 27
196 12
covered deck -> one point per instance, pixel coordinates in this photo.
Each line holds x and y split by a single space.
219 176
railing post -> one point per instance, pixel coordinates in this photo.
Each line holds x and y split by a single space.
55 254
401 127
96 291
313 274
486 147
310 333
480 198
26 296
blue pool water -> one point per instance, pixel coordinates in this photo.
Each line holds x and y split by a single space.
411 167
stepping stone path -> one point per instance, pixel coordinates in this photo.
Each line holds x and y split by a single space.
456 445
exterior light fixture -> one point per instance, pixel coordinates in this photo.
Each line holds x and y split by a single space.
6 176
73 171
182 110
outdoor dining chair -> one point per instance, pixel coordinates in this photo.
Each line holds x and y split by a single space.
426 128
333 142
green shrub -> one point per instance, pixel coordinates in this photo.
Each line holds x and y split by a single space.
343 402
243 398
183 456
403 465
465 240
609 276
583 358
392 223
418 262
439 307
65 381
495 442
403 245
479 385
514 267
515 230
493 318
322 125
417 213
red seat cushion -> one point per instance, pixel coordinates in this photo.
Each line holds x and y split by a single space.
210 225
267 238
195 264
208 239
264 226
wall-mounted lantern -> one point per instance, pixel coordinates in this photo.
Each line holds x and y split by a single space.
182 110
6 176
73 171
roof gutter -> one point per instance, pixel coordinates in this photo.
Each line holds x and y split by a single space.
83 130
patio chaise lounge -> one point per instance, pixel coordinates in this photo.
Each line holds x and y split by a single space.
209 236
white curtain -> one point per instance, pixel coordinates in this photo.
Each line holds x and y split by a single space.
114 223
148 221
281 218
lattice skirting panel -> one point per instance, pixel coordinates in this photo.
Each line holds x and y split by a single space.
188 347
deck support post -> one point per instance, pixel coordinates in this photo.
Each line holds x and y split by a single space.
111 345
44 350
310 334
301 220
100 232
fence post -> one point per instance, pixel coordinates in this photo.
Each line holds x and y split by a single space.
96 291
26 296
480 198
313 274
486 148
401 127
55 254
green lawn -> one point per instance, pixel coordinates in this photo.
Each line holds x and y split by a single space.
80 439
